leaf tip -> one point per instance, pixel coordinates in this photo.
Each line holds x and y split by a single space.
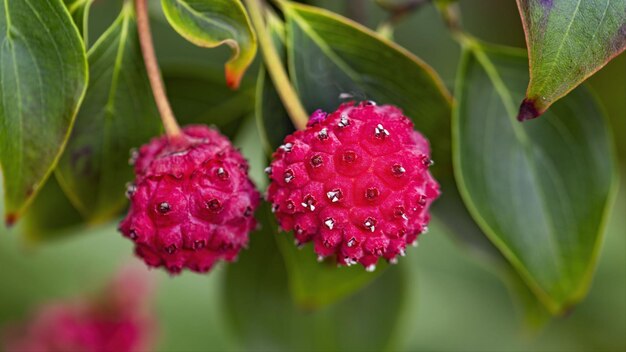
10 219
233 78
528 110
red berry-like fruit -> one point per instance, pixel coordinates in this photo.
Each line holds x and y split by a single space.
118 319
192 202
355 182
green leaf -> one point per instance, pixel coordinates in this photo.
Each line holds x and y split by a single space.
314 285
211 23
541 190
51 216
43 76
568 41
118 114
197 95
451 212
330 55
79 10
265 318
272 118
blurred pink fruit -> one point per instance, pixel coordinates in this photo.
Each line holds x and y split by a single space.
115 320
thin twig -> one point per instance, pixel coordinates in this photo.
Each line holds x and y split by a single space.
154 74
399 11
357 10
451 14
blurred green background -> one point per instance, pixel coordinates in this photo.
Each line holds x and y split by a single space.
450 300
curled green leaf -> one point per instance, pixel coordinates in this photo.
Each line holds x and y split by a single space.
211 23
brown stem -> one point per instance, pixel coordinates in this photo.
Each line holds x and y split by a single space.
154 74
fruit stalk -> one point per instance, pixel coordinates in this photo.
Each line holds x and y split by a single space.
154 74
275 68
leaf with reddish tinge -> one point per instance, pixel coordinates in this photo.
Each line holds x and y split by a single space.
568 41
211 23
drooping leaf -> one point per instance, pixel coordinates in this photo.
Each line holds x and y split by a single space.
43 76
329 55
198 95
118 114
79 10
541 190
568 41
273 120
266 319
51 216
210 23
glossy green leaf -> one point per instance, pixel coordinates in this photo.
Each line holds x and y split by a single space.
210 23
198 95
118 114
79 10
541 190
451 212
51 216
43 76
330 55
568 41
272 118
266 319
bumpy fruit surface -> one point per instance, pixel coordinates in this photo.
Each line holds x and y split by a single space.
192 202
355 183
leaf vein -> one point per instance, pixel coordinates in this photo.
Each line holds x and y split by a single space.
560 48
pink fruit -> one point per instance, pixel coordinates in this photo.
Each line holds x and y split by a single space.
192 202
111 322
355 183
